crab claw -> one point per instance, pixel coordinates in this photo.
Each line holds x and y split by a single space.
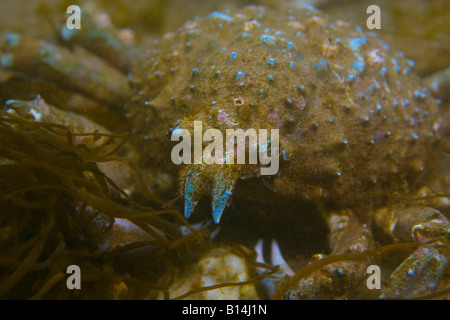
422 271
271 284
192 190
218 181
223 186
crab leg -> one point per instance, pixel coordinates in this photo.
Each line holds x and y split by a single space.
21 88
272 284
439 83
39 110
99 36
339 279
76 71
422 271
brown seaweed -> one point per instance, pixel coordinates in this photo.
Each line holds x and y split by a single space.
53 214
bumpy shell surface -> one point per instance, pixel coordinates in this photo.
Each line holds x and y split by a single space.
352 116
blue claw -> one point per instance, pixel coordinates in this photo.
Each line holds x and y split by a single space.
220 201
189 205
223 188
218 182
192 193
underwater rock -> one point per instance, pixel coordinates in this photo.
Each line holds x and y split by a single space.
217 266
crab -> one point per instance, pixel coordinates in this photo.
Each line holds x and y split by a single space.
358 129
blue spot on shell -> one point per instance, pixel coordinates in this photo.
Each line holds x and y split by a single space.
268 38
355 43
233 55
417 94
321 65
240 74
385 45
358 66
220 15
193 31
424 93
